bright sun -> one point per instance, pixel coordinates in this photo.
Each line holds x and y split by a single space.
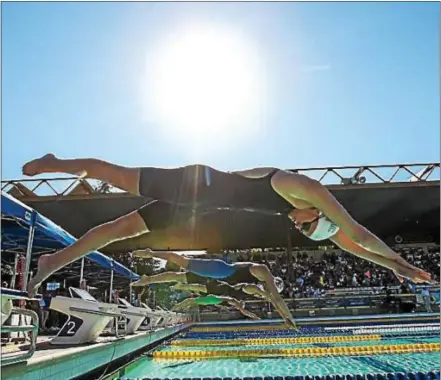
205 86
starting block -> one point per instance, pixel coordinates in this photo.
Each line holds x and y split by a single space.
87 317
135 315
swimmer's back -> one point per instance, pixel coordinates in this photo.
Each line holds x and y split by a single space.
219 289
242 274
208 300
204 187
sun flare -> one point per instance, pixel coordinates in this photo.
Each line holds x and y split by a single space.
205 85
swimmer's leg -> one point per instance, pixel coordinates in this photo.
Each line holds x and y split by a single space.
161 278
239 306
184 185
190 185
127 226
196 288
172 257
255 291
122 177
184 305
212 268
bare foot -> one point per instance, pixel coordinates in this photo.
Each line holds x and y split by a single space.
143 281
43 272
38 165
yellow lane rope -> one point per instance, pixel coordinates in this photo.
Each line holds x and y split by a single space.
268 341
302 352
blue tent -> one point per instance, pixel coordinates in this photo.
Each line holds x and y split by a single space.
48 234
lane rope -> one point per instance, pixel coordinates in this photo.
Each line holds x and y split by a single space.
395 330
381 326
301 352
271 341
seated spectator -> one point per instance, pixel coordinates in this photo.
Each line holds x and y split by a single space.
337 269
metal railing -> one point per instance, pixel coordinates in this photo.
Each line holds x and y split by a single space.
351 175
338 301
10 358
335 175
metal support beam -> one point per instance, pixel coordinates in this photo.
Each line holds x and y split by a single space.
28 256
82 270
288 226
14 275
111 287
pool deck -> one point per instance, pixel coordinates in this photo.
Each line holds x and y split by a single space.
54 362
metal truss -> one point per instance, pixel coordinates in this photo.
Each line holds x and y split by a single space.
352 175
29 188
341 175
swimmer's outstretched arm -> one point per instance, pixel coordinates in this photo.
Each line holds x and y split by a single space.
255 291
400 270
184 305
196 288
235 303
280 305
294 187
263 274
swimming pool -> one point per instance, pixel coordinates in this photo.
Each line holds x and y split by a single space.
359 347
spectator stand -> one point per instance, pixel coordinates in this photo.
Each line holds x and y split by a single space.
333 282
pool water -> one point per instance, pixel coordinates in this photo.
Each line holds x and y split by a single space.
148 367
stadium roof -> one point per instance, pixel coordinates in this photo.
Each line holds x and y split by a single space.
409 209
388 199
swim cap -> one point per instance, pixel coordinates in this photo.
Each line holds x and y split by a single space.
325 229
279 284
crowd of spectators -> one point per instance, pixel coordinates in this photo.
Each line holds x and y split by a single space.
313 274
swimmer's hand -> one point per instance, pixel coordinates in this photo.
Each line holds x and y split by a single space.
291 324
405 270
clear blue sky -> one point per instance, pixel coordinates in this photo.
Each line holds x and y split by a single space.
345 83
